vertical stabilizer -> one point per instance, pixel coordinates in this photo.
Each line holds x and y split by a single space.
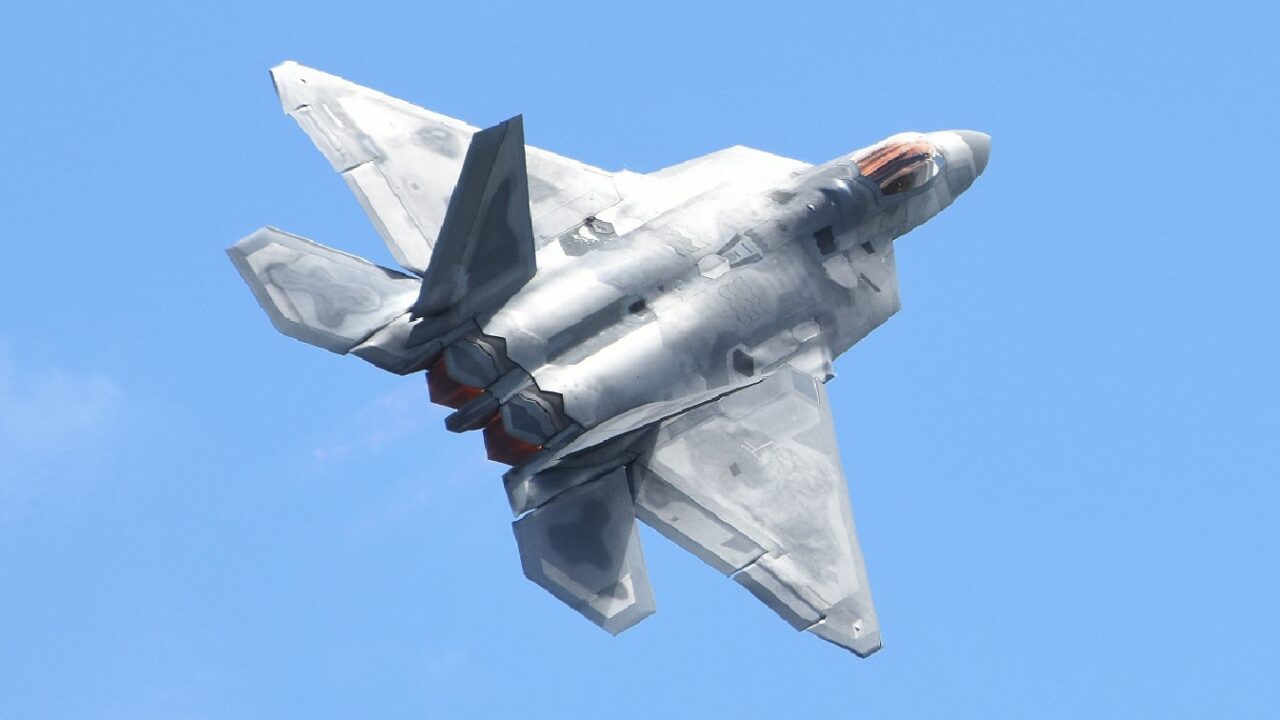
485 252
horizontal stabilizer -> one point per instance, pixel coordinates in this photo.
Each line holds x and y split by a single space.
752 484
584 548
319 295
486 249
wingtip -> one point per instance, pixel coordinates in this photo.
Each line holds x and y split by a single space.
296 84
864 645
852 625
284 66
867 646
280 75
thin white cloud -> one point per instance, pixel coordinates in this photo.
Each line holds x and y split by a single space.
54 423
47 410
386 420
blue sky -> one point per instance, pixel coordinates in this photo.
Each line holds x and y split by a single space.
1063 451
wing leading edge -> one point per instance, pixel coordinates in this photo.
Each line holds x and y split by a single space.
401 161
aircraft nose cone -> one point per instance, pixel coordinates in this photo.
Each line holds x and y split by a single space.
980 144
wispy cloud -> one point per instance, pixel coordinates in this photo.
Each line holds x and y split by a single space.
396 445
390 418
47 411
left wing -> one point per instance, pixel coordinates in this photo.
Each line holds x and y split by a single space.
752 484
402 162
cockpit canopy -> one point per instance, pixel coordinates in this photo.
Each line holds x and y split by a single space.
901 163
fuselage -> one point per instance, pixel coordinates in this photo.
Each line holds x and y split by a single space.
731 284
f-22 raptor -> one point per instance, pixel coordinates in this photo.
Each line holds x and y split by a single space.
649 346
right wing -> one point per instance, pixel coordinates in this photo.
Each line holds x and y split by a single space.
752 484
402 162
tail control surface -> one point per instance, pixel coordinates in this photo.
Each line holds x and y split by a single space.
584 548
485 251
319 295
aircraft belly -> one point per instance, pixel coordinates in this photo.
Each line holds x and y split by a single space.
566 304
708 334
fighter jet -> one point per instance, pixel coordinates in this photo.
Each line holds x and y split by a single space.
634 346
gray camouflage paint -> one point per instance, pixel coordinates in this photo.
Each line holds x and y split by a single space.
583 546
673 327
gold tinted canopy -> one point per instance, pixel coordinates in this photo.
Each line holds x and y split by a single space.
900 163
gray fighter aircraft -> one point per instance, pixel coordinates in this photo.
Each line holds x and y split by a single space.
649 346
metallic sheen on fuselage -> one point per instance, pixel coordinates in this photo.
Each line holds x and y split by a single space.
648 346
